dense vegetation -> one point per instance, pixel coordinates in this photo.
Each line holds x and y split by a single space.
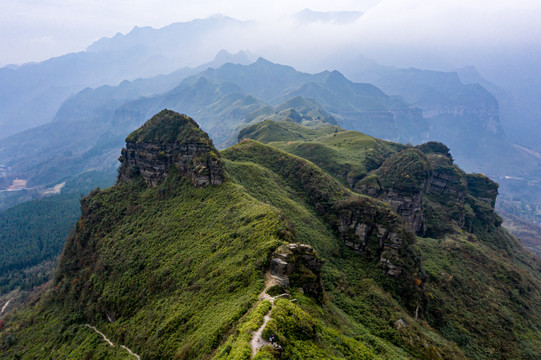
166 127
31 233
493 262
174 271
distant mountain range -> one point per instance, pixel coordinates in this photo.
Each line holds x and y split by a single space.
76 108
89 127
463 113
426 105
31 94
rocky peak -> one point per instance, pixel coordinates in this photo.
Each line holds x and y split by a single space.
482 188
431 194
169 140
400 182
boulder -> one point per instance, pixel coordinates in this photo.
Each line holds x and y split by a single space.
297 265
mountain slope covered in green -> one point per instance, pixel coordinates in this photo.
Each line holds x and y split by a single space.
176 269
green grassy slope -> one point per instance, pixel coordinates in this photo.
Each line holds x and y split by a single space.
487 301
348 155
173 272
173 284
483 289
362 301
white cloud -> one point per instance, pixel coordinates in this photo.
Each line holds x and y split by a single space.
38 29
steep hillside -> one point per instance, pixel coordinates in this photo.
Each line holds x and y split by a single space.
171 262
438 200
184 268
420 183
172 268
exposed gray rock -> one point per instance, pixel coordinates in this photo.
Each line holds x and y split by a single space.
153 162
400 324
378 234
410 207
170 140
297 265
444 183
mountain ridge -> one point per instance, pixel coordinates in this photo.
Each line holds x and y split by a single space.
172 269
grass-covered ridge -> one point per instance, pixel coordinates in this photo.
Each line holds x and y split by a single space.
270 131
175 271
357 305
348 155
459 208
172 284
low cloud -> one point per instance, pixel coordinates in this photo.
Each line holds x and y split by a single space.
422 33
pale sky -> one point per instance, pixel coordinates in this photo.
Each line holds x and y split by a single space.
34 30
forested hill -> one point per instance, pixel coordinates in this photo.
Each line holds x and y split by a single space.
31 233
353 248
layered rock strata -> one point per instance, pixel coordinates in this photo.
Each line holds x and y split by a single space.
151 152
376 233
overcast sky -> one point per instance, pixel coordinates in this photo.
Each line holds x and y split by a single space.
34 30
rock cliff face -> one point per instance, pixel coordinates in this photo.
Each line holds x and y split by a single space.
297 265
170 140
446 183
482 188
376 233
400 182
410 207
429 192
364 224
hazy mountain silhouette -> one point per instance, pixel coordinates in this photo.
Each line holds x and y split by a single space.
31 94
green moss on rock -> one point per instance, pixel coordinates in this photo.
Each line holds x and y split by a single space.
405 172
169 126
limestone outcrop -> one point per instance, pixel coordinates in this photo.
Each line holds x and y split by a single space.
431 194
170 140
401 182
376 233
298 266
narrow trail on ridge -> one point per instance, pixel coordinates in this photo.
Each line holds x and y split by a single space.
5 306
110 342
100 333
257 341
